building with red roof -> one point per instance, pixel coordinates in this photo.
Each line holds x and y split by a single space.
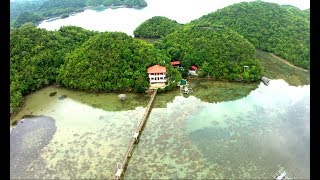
193 70
194 67
157 74
175 63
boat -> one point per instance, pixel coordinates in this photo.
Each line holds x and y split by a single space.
265 81
281 175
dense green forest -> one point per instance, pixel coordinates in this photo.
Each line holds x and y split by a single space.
282 30
52 8
128 3
112 61
219 51
156 27
19 7
27 17
35 11
219 43
81 59
36 56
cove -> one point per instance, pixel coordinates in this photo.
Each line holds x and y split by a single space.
204 135
128 19
248 138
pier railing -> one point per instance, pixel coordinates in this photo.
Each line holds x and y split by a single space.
135 135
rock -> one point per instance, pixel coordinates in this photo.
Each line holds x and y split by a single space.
122 96
62 97
52 94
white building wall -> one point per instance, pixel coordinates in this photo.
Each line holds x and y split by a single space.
157 78
192 72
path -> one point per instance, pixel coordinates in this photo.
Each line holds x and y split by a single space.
285 61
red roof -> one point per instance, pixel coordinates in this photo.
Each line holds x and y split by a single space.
157 69
194 67
175 63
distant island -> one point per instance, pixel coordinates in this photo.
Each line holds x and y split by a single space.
35 11
156 27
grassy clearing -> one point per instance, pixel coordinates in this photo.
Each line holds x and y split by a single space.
218 91
276 69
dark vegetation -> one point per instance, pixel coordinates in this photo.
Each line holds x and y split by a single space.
27 17
127 3
156 27
80 59
36 56
282 30
218 51
112 62
19 7
35 11
276 69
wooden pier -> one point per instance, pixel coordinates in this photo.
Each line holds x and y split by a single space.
135 135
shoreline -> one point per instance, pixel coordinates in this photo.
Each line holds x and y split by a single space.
56 17
100 92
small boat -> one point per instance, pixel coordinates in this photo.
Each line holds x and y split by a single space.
281 175
265 81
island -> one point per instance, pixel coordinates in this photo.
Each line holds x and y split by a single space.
209 47
35 11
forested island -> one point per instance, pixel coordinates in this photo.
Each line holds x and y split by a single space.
220 52
37 10
281 29
156 27
115 62
36 56
80 59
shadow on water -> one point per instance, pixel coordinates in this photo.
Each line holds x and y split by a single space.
102 100
208 91
162 99
27 139
218 91
209 133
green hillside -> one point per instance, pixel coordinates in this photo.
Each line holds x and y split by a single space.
282 30
36 55
112 61
219 51
156 27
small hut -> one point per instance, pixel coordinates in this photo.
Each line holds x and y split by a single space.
245 68
184 86
175 63
182 83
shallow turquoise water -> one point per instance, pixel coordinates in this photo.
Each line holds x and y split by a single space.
92 133
247 138
184 137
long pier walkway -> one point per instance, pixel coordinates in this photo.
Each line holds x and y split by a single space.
135 135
